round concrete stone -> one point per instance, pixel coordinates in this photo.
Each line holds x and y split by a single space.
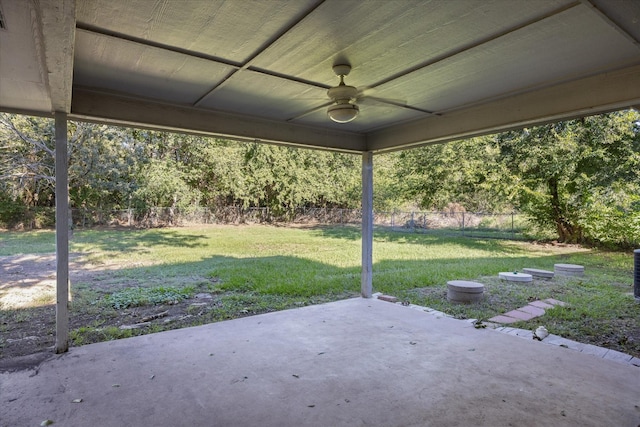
511 276
569 269
539 274
464 291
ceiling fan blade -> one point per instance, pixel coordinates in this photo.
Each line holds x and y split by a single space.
310 111
373 100
367 95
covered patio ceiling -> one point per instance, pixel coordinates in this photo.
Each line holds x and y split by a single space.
432 71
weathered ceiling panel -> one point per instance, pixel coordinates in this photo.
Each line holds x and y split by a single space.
382 39
123 66
262 95
225 29
625 14
23 80
573 43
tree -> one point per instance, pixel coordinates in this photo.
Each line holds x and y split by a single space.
466 173
563 171
284 178
101 164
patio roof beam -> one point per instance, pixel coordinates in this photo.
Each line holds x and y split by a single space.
116 109
55 37
591 95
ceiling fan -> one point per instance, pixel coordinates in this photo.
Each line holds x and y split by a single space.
345 98
344 109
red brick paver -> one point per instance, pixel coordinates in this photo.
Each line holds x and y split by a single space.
541 304
520 315
533 310
528 312
503 319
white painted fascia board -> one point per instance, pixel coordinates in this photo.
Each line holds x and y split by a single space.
592 95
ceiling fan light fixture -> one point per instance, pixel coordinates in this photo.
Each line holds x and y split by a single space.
343 112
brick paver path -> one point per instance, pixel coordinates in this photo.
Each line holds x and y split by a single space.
528 312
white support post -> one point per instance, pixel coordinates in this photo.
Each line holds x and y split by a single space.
62 234
367 225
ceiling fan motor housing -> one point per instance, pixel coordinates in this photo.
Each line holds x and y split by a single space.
341 92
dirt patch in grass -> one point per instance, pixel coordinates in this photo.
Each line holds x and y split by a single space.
600 310
27 304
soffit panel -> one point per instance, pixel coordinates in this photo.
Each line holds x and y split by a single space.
119 65
23 83
574 43
379 39
263 95
626 14
216 28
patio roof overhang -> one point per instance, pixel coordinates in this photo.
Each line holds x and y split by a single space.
254 70
432 71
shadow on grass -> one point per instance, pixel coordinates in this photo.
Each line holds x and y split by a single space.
383 234
247 286
128 240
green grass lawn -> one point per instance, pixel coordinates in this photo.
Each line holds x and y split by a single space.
256 269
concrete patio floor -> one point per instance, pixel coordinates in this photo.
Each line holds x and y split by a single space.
355 362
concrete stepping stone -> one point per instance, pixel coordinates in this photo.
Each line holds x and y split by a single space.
539 274
464 291
512 276
569 269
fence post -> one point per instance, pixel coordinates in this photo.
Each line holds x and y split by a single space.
413 224
513 231
463 223
636 275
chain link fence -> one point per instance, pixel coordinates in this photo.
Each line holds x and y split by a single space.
457 223
468 224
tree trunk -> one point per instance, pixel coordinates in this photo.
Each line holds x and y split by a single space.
567 232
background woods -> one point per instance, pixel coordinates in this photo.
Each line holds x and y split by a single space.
579 179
